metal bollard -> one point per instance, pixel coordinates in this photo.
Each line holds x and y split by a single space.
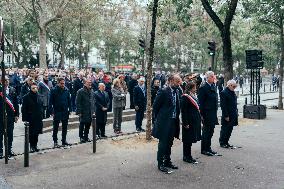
242 90
270 87
26 150
94 133
246 101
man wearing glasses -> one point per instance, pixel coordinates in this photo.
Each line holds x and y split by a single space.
228 102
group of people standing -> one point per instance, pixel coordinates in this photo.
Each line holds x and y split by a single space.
198 108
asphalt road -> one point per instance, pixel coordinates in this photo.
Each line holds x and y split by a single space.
131 163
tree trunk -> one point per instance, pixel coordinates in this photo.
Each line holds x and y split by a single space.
13 43
227 55
150 70
42 48
280 100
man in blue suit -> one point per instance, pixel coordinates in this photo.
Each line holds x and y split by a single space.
208 100
166 110
139 100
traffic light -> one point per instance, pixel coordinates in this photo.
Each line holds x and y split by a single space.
212 48
142 43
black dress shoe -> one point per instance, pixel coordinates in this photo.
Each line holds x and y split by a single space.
65 144
212 152
11 154
207 153
171 165
190 160
163 168
88 140
230 146
142 130
56 145
224 146
82 140
104 136
36 149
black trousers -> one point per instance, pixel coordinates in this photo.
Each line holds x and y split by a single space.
64 129
46 113
10 130
84 129
225 134
33 139
207 133
131 101
165 145
100 130
187 149
139 118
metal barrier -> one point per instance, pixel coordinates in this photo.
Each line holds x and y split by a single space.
26 150
94 133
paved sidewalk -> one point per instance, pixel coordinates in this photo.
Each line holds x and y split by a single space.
131 163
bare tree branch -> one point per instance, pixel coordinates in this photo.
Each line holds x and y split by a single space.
230 14
212 14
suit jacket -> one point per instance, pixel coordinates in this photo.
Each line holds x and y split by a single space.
102 100
228 102
60 103
208 101
163 112
139 98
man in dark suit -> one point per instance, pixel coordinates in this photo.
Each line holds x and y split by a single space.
101 107
166 110
60 108
208 100
139 100
12 112
77 84
132 83
85 103
228 102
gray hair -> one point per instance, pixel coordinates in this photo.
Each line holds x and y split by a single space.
101 84
208 74
231 82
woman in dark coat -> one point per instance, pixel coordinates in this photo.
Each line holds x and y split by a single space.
191 121
32 112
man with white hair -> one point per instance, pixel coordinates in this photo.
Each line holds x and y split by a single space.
139 100
208 104
228 102
101 107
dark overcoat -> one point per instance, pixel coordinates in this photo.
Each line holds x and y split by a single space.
162 112
32 112
60 103
139 97
102 101
85 103
228 102
208 101
190 116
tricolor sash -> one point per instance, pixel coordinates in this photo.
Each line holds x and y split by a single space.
193 101
8 101
46 86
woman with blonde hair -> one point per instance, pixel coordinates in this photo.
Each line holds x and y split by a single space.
118 102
